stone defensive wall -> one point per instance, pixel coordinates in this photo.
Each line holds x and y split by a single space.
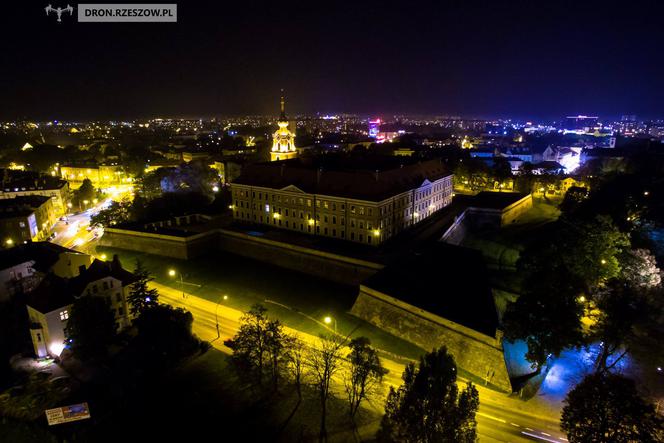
327 265
186 245
177 245
474 352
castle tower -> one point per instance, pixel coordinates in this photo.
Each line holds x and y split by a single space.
283 140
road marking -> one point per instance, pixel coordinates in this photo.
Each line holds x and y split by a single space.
544 433
491 417
531 430
514 424
537 436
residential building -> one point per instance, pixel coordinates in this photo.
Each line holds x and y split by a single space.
27 218
53 187
24 266
49 305
343 200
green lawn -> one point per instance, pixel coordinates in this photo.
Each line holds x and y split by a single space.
300 301
502 247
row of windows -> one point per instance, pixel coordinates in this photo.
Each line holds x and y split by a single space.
105 285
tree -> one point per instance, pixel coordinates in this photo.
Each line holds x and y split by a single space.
574 196
547 315
116 213
567 266
91 327
296 357
324 362
365 374
277 346
260 347
141 298
86 192
639 269
427 407
607 408
164 336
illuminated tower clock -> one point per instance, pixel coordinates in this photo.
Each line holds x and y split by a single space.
283 140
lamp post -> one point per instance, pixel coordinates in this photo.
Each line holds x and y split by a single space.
173 273
329 320
216 309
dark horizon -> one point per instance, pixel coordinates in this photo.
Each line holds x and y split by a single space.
472 60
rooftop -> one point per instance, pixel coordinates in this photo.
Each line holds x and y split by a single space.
21 206
44 254
363 179
52 293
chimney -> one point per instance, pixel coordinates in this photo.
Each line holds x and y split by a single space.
319 172
115 264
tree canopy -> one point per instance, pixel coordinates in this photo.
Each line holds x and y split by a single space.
91 327
428 406
607 408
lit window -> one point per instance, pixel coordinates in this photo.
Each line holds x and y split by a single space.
64 315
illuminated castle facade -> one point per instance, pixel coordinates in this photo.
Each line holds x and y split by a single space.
283 140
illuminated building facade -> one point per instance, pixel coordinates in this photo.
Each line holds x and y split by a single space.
26 218
99 174
49 305
374 128
366 207
55 188
283 140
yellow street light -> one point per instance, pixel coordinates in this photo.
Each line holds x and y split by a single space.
581 299
9 241
603 261
171 272
103 256
376 232
215 189
329 320
95 201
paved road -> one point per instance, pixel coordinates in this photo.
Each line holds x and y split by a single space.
500 419
74 233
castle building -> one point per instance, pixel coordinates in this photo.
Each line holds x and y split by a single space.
341 201
283 140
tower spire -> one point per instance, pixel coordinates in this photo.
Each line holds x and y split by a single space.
282 116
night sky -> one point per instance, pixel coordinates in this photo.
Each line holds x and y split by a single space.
468 58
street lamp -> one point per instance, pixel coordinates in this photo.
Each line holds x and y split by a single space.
216 318
329 320
173 273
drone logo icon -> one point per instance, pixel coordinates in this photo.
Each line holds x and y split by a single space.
59 11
